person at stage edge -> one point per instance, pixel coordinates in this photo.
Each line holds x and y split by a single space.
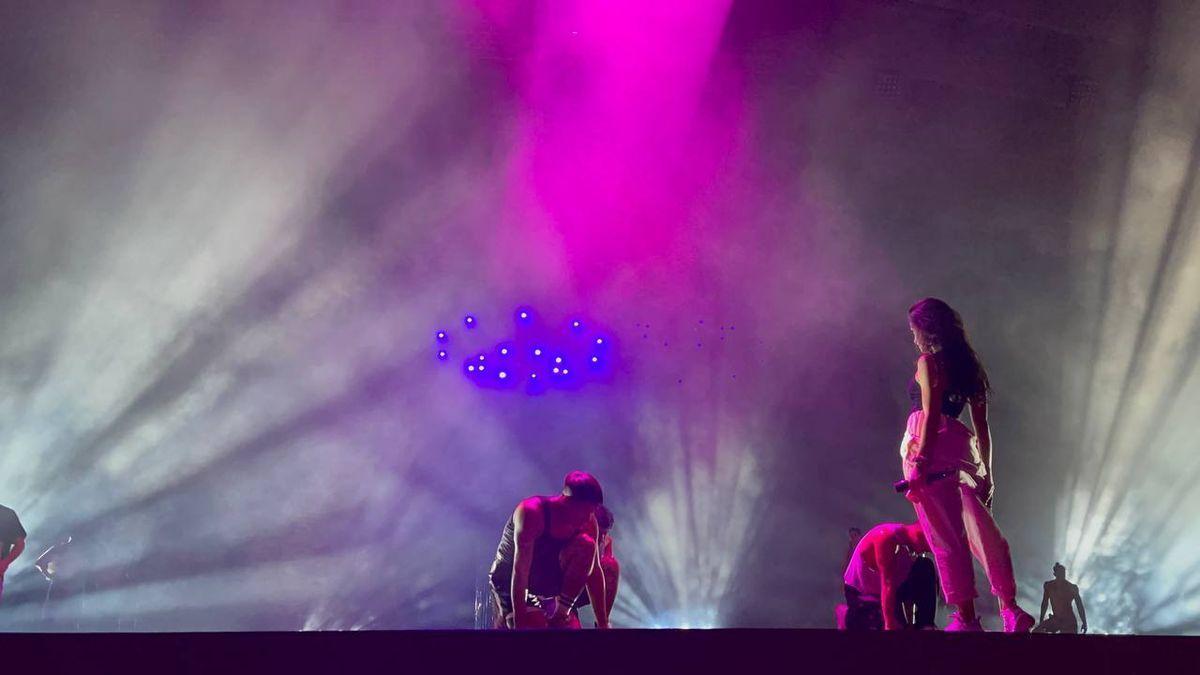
1059 594
879 580
547 557
955 514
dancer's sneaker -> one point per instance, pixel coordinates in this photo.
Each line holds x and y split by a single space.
1017 620
958 625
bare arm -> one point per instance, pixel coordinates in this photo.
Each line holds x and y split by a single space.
931 390
885 560
983 437
1082 611
597 594
1045 602
527 525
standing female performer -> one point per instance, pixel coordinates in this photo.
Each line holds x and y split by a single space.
953 513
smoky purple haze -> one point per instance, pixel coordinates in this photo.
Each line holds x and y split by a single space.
231 231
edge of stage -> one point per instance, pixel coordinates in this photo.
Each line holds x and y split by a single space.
611 652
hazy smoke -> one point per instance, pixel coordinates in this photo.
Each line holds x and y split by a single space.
229 231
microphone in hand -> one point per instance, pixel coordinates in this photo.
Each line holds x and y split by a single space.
903 486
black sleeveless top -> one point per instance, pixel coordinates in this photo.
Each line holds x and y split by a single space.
545 573
952 402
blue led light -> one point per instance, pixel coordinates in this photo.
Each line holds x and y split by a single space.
535 357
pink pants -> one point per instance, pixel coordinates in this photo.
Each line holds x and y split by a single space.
958 525
954 519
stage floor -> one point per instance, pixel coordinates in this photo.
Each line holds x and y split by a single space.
614 652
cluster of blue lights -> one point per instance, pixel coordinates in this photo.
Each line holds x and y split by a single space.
539 357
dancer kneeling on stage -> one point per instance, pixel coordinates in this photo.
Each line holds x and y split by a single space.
879 579
547 556
955 512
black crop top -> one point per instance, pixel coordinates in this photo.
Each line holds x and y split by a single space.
952 403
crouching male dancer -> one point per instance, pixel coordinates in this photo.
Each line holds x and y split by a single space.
547 556
877 571
608 560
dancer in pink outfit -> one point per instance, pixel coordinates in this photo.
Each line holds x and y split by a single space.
955 514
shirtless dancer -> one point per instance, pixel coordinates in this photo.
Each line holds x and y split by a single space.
878 568
547 556
608 561
1059 594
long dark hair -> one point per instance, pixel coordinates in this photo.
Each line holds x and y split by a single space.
943 328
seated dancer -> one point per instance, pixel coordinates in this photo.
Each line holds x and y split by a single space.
1059 594
876 579
955 512
547 555
608 561
12 540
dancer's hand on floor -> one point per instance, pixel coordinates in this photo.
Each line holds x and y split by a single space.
531 617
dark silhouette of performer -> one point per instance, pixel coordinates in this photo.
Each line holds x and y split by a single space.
955 514
59 565
12 541
1059 593
608 561
879 579
547 555
854 535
